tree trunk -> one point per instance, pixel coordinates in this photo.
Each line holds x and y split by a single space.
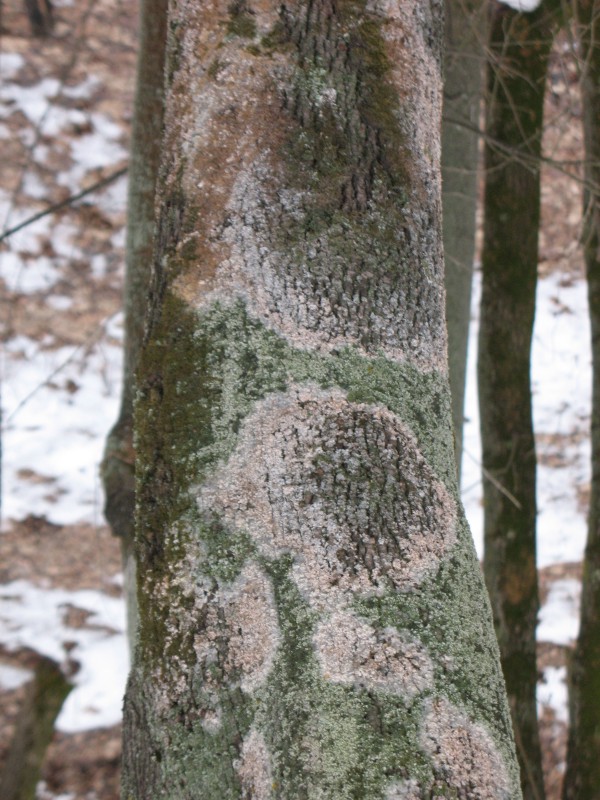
465 35
519 48
118 465
582 778
313 623
35 726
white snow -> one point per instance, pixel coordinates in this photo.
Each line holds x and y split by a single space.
58 407
10 64
552 692
83 90
13 677
559 616
29 100
522 5
33 617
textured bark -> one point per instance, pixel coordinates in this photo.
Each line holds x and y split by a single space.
313 623
118 465
519 49
465 35
582 778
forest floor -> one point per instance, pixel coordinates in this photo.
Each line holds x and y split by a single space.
65 106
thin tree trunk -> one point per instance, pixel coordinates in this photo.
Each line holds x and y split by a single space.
44 698
519 48
118 464
313 623
582 778
465 35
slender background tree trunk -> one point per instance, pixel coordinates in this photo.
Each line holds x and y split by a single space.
465 35
313 623
519 48
582 779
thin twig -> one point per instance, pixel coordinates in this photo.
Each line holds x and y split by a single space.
69 201
494 481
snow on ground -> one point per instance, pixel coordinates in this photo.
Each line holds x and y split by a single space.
33 617
53 434
58 402
522 5
561 382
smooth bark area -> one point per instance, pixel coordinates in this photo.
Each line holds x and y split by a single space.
519 48
313 623
465 35
118 465
582 778
45 696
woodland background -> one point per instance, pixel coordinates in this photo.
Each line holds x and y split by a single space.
65 106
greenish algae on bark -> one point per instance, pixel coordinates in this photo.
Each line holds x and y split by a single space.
118 465
296 639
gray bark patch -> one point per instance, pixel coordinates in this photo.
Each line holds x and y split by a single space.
464 755
342 487
353 652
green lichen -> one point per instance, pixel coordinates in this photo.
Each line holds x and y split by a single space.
326 738
241 20
225 551
229 362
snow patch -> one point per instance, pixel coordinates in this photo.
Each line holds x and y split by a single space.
34 617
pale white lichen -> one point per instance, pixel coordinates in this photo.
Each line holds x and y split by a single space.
341 486
352 652
240 630
254 768
403 790
254 635
464 754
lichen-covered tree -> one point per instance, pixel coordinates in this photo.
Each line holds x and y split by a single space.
519 48
118 464
582 778
465 39
312 620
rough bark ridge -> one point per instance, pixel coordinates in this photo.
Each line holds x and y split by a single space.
312 619
519 47
582 778
465 37
118 464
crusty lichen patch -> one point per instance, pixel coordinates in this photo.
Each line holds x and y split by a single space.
241 632
254 768
341 486
464 755
353 652
403 790
252 621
